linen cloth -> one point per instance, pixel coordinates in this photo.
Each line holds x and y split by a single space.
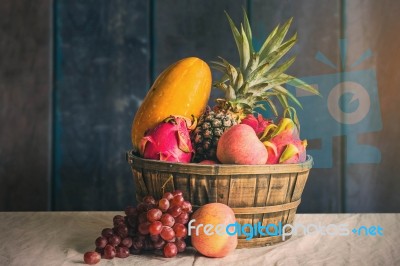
61 238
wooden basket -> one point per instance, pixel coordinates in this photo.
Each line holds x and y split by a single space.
268 194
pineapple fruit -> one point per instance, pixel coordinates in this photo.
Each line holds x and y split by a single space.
257 82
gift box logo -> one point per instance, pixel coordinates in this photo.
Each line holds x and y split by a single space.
349 106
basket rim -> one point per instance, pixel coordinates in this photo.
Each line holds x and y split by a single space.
216 169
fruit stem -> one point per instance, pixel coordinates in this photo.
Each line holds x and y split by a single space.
170 178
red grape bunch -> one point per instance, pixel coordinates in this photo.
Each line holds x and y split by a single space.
151 225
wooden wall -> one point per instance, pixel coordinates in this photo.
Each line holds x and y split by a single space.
72 74
25 104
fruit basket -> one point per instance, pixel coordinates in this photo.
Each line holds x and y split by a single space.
269 194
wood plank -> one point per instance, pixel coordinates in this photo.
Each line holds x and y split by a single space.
372 184
318 26
25 89
242 194
262 188
101 75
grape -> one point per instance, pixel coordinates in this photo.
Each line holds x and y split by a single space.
175 211
142 218
137 243
163 204
131 211
126 242
150 225
107 232
167 233
170 250
132 221
148 245
183 218
133 231
109 252
135 251
155 228
142 207
121 230
159 244
187 207
101 242
99 250
114 240
177 200
180 230
168 195
177 192
155 238
91 257
180 244
118 219
141 237
167 220
149 200
122 252
154 215
144 228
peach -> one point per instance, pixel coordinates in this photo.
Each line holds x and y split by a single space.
218 243
240 145
208 162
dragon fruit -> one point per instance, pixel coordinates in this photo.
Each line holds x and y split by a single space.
284 144
168 141
258 124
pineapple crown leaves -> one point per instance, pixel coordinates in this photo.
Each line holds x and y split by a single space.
258 78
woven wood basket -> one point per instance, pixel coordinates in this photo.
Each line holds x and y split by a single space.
268 194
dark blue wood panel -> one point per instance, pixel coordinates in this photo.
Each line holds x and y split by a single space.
318 24
101 75
373 173
194 28
25 89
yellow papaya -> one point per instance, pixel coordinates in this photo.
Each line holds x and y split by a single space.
182 89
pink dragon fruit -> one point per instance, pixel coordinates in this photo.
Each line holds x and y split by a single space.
284 144
168 141
258 124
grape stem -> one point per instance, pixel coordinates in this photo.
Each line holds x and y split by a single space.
170 178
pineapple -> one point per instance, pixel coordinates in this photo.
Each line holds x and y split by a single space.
256 83
209 129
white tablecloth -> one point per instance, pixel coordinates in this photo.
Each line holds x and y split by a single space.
61 238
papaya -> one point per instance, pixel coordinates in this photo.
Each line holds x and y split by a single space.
182 89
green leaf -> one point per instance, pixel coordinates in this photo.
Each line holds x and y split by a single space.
239 81
283 101
247 30
269 38
277 40
272 106
292 115
243 90
281 79
221 86
219 68
255 57
287 93
236 34
224 78
259 87
275 56
280 69
259 71
298 83
245 51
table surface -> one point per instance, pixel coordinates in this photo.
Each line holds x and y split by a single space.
61 238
